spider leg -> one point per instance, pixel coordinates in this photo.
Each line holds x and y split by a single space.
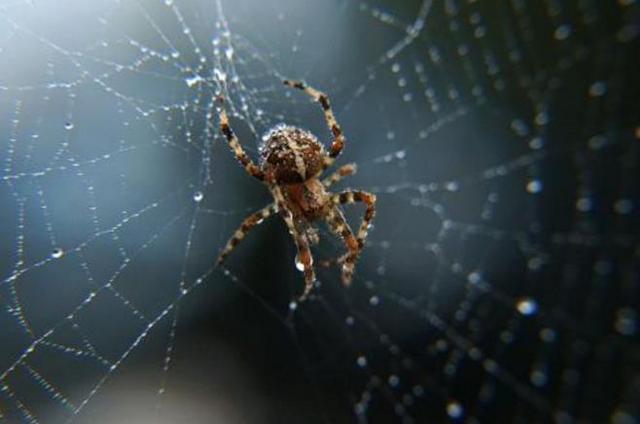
246 226
332 123
353 196
339 225
251 168
343 171
302 243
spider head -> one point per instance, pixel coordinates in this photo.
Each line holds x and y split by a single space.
291 154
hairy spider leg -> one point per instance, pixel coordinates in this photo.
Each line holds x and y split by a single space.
353 196
343 171
246 226
338 224
251 168
338 137
302 244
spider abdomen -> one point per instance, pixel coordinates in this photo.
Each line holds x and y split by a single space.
291 154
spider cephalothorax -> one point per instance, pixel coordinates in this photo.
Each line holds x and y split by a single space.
292 161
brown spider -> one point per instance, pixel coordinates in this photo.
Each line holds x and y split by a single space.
292 161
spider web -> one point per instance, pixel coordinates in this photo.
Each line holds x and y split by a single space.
500 281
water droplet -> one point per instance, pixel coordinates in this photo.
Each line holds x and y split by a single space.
374 300
361 361
474 277
542 118
299 264
623 206
562 32
68 125
394 380
534 186
506 337
548 335
454 409
198 196
535 263
597 89
452 186
597 142
536 143
626 321
584 204
193 80
527 306
168 2
219 75
293 306
519 127
57 253
538 377
418 390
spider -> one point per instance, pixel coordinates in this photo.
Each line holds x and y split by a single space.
292 160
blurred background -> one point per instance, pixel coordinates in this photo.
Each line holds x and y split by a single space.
501 278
